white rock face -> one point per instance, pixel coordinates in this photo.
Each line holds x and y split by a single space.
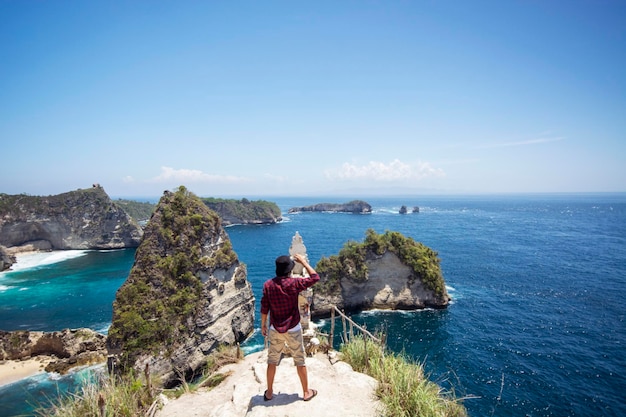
389 285
227 317
341 392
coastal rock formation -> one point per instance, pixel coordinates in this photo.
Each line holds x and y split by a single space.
81 219
6 259
387 271
355 206
341 391
244 211
186 293
68 348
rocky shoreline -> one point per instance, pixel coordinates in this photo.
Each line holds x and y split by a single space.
56 352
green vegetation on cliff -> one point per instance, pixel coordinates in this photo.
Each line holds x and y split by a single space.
163 291
244 211
22 206
351 261
138 210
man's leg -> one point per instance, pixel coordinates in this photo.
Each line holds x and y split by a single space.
273 357
296 344
271 372
304 380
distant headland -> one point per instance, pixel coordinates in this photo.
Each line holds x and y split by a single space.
355 206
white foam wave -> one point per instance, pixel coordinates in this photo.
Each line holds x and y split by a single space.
5 288
377 311
38 259
385 211
103 328
252 348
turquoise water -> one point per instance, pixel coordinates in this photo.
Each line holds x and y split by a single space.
536 328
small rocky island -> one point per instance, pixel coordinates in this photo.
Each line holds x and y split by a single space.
355 206
386 271
187 293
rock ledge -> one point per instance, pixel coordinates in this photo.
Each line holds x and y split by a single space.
341 392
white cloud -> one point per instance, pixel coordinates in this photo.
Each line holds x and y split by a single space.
396 170
521 142
275 178
184 176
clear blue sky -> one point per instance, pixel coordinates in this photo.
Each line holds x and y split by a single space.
262 98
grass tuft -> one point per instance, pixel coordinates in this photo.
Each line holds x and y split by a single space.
106 396
403 387
126 396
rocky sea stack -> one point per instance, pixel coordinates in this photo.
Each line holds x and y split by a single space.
387 271
186 293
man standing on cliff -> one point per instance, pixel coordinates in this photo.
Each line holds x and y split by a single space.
280 301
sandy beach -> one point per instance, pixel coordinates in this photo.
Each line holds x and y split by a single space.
12 371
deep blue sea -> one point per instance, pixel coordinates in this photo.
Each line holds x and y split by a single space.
537 325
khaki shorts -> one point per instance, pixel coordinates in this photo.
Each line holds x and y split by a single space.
292 341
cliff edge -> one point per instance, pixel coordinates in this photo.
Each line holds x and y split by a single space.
342 392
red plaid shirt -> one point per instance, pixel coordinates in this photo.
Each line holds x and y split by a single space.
280 300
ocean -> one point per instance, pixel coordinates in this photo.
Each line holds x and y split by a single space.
536 326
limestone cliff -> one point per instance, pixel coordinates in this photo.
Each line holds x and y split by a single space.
186 293
81 219
355 206
388 271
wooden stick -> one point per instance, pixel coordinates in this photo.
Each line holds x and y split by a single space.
332 327
374 338
367 361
